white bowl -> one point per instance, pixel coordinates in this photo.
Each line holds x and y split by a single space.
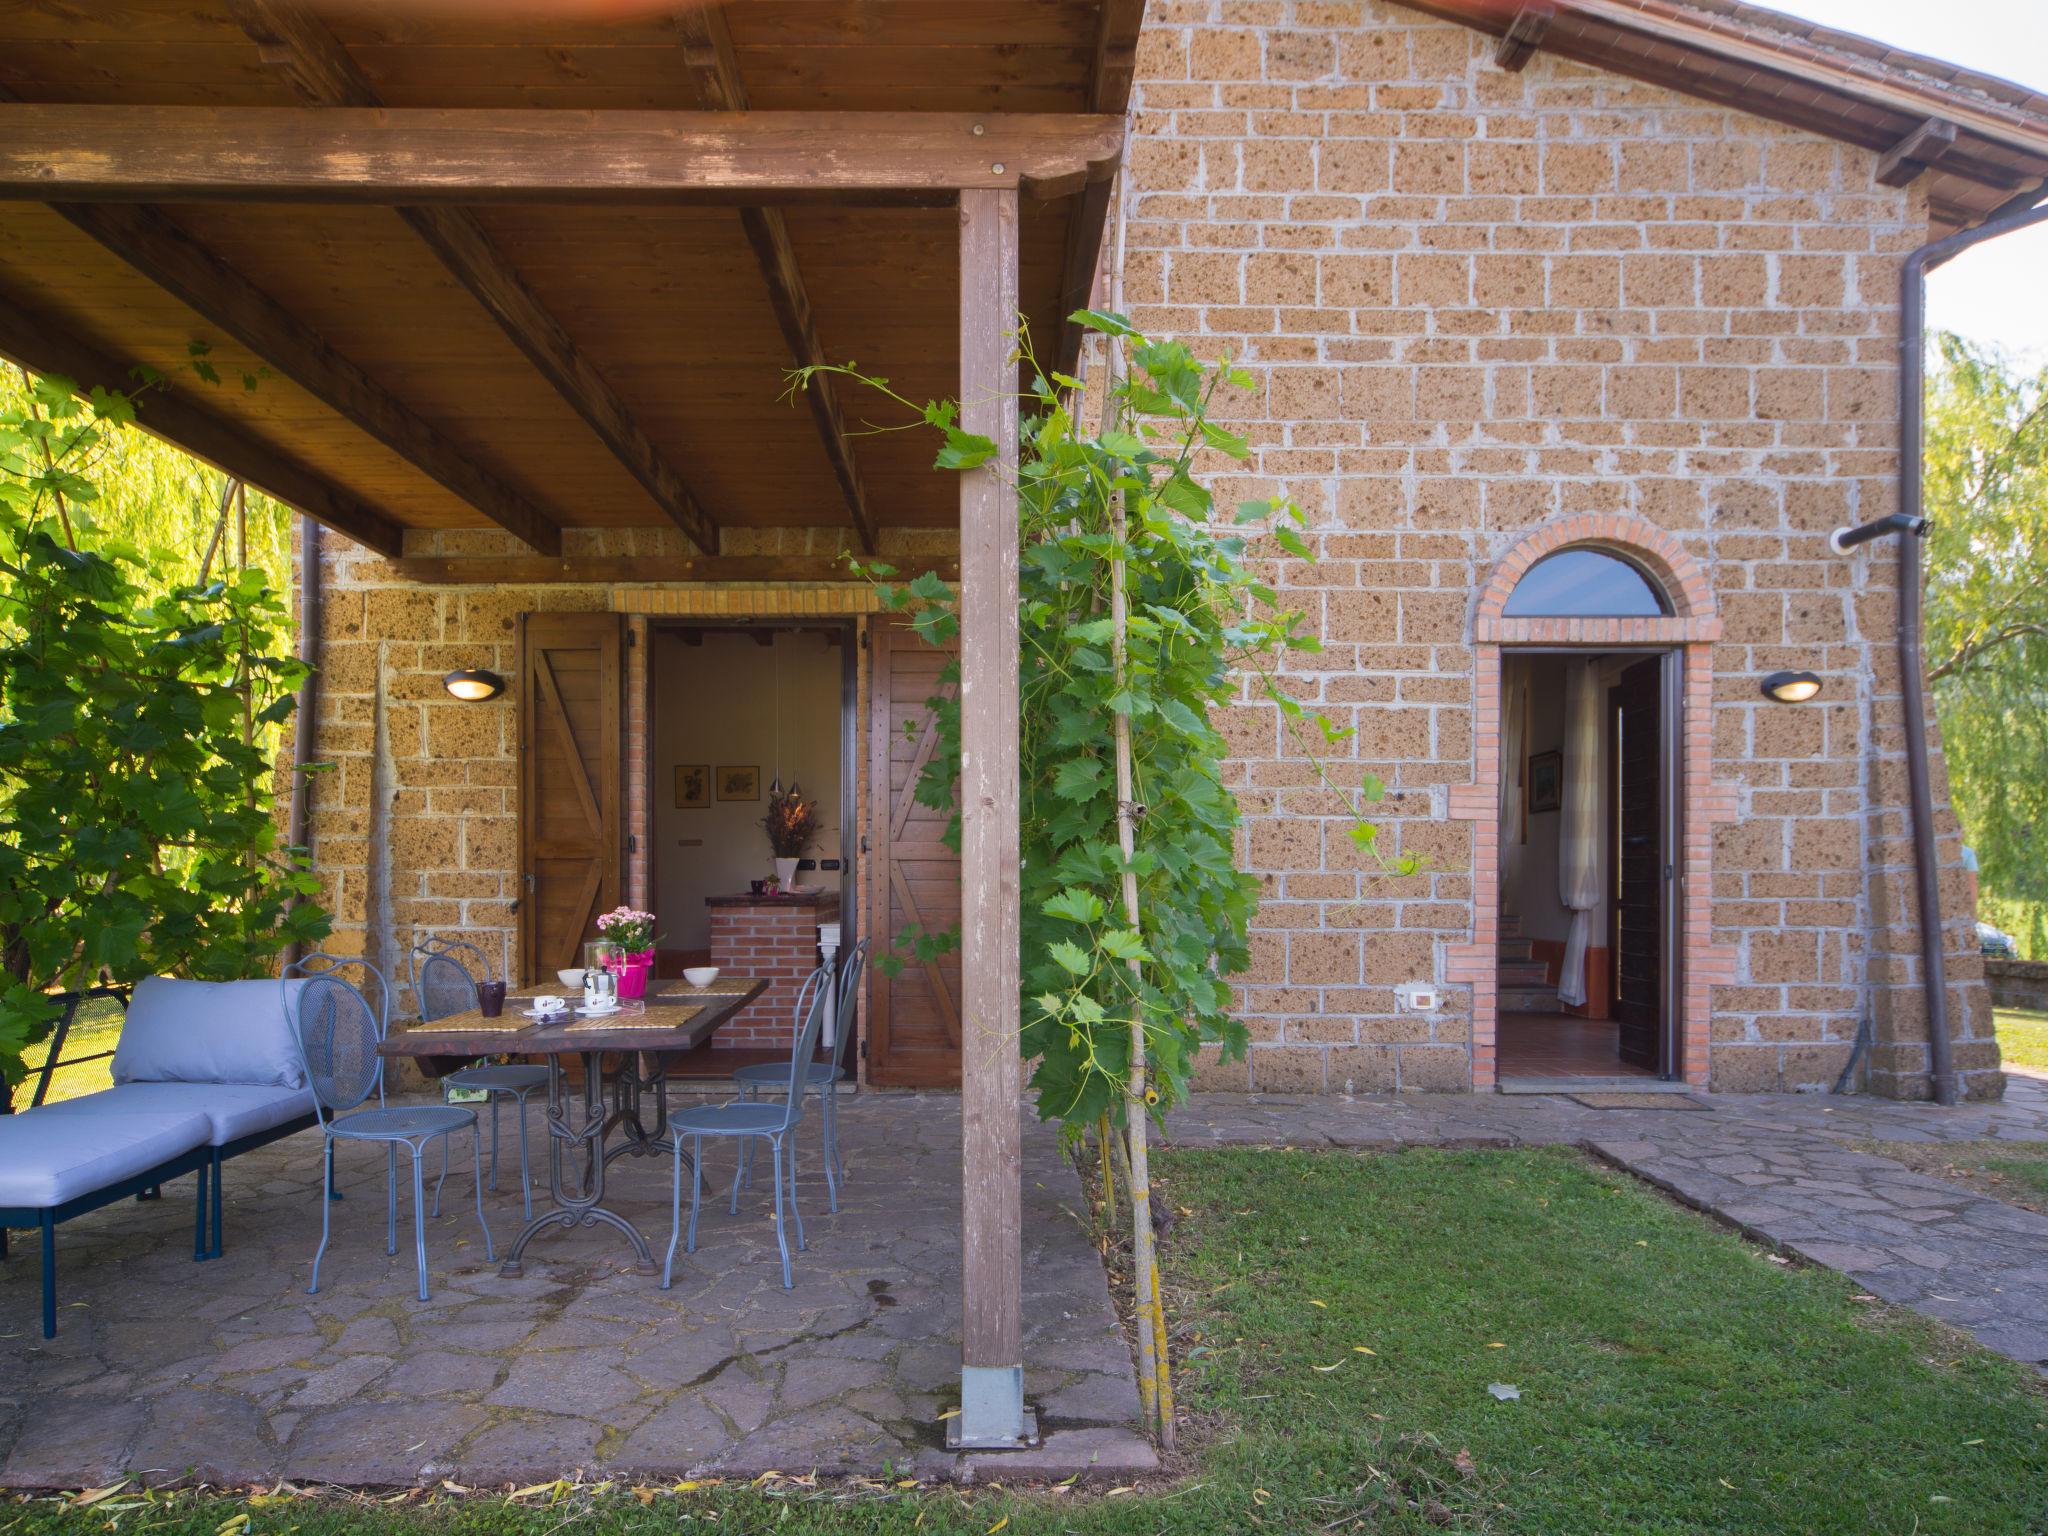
571 978
700 975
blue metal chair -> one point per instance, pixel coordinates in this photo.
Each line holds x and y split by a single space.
771 1123
442 985
338 1033
824 1075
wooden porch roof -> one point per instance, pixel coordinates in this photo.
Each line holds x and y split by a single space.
594 363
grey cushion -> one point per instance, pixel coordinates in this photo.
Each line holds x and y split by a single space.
47 1159
233 1110
210 1032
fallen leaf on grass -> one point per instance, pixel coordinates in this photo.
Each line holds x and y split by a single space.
1323 1304
1496 1345
1360 1349
90 1497
1464 1463
1725 1483
950 1413
1325 1369
1260 1496
998 1525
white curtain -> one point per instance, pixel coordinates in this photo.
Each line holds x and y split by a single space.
1578 835
1514 746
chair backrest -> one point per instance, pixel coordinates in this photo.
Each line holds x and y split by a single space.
444 975
850 967
810 1005
338 1031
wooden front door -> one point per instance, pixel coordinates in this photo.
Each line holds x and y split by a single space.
914 1016
1640 864
570 696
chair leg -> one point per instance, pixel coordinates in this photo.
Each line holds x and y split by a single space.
781 1237
326 1211
48 1223
831 1145
199 1213
419 1213
391 1197
675 1212
696 1186
739 1169
746 1145
218 1195
476 1149
525 1178
496 1099
795 1210
443 1179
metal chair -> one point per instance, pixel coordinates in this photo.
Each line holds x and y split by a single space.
338 1033
771 1123
824 1075
441 986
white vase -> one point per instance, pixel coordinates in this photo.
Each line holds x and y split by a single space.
785 873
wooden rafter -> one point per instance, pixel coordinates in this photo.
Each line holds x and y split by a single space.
300 45
714 68
528 570
179 264
403 155
1524 35
1918 151
29 338
1109 92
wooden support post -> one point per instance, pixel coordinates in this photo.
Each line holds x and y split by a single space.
991 1070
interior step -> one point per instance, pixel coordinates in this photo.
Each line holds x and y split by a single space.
1590 1085
1528 1000
1515 949
1510 926
1522 973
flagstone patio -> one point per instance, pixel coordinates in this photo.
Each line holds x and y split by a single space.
229 1372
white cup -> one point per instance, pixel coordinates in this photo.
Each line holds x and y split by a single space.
547 1004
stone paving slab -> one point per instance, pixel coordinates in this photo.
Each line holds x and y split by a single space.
230 1372
1775 1166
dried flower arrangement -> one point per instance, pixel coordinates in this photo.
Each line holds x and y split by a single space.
792 822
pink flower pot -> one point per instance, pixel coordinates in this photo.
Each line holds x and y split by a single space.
633 978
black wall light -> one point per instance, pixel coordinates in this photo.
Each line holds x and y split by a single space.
473 686
1791 687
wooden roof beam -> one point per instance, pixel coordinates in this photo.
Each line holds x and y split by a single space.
394 156
1109 91
29 338
714 67
1524 35
1918 151
179 264
322 70
529 570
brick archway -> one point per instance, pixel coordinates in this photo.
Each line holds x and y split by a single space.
1692 628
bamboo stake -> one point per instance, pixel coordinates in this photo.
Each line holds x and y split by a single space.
1102 1134
1165 1365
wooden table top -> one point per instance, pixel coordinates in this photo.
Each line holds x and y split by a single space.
698 1012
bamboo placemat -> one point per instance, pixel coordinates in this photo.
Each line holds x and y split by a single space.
672 1018
716 989
475 1024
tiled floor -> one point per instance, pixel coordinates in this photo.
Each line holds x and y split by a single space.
1557 1045
230 1371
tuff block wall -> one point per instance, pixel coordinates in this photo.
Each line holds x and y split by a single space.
1477 302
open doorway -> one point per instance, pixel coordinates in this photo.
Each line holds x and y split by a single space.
1586 965
737 712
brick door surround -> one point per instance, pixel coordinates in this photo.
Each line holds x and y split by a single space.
1692 628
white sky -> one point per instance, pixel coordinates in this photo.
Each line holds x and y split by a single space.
1998 292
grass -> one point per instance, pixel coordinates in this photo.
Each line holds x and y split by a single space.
1672 1379
2023 1038
97 1027
2013 1171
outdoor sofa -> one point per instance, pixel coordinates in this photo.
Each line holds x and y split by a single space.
204 1071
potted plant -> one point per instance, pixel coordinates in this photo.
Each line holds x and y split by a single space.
792 823
633 932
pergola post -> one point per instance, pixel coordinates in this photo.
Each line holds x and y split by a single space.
991 1070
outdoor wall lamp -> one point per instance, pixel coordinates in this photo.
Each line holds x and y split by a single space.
473 686
1791 687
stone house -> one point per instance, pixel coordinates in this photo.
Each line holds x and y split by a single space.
1611 284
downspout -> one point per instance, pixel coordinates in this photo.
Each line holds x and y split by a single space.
1911 526
305 722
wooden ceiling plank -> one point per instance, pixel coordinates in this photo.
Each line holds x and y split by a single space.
62 152
714 68
320 68
528 570
1109 91
30 339
174 261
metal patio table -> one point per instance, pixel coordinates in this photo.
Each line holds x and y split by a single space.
585 1128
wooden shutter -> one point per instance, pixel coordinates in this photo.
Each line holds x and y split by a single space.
570 696
913 1017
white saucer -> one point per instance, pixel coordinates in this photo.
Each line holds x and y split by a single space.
600 1013
552 1013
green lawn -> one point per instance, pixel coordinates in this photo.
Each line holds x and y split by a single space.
96 1028
2023 1038
1672 1379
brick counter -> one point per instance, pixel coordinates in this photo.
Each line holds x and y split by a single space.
775 937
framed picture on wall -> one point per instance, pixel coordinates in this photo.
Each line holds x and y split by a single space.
1546 780
693 786
739 783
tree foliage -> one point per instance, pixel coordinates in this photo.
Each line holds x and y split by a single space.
138 717
1201 623
1986 489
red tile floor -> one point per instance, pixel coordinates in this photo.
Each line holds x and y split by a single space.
1561 1045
